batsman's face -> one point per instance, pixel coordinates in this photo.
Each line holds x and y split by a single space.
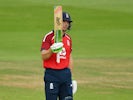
65 25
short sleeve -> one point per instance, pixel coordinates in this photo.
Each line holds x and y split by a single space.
46 43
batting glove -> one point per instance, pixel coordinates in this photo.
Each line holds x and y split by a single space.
74 86
56 47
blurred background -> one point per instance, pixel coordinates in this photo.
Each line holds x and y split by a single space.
102 32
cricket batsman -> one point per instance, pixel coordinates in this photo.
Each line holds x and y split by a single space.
57 76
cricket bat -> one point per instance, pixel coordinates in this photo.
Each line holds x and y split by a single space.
58 27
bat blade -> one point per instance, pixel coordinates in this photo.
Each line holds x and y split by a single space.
58 27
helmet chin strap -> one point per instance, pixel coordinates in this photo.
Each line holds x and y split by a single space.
64 30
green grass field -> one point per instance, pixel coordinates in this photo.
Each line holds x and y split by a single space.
102 32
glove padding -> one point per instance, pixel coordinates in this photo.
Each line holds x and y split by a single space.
56 47
74 86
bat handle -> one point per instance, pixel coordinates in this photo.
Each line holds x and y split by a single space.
58 57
